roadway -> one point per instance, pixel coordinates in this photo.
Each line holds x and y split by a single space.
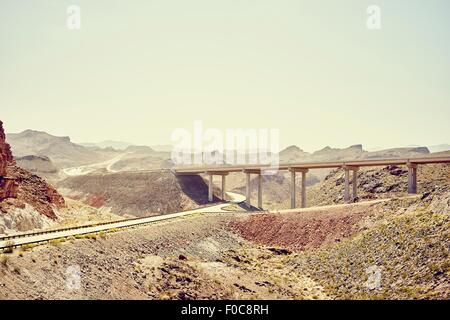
47 235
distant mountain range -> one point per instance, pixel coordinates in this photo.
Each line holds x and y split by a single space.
295 154
60 150
121 145
118 145
439 147
123 156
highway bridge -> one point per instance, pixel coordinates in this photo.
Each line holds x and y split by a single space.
303 168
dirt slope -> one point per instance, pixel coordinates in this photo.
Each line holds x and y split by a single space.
399 249
392 250
39 165
138 194
305 230
376 183
190 258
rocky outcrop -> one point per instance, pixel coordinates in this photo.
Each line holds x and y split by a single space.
39 165
26 200
5 151
8 187
441 203
34 191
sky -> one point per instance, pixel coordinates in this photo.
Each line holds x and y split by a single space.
138 70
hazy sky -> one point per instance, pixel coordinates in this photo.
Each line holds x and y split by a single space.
137 70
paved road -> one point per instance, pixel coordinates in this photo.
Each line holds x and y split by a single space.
235 198
82 170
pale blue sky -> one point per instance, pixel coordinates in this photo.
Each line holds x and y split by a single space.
137 70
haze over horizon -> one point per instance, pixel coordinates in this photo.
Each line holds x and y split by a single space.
314 71
167 147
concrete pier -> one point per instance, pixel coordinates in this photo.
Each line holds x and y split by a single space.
293 200
223 186
210 183
346 185
248 193
247 190
293 188
347 170
355 184
303 203
210 188
412 178
259 191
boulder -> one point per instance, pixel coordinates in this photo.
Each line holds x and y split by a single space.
441 203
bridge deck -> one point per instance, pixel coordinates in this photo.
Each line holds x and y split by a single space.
314 165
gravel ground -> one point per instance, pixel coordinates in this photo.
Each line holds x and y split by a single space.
193 257
321 253
312 228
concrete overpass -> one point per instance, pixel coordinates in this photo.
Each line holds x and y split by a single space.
303 168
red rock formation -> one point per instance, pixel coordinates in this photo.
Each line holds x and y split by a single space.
35 191
23 186
8 187
5 152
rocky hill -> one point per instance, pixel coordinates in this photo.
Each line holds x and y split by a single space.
293 154
376 183
8 187
60 150
398 153
334 154
118 145
406 257
39 165
40 152
138 194
396 249
26 200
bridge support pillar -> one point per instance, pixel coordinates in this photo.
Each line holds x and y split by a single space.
347 182
259 191
355 184
293 200
223 187
346 186
247 190
210 188
293 187
303 204
412 177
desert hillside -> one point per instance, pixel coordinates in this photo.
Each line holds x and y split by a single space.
138 194
376 183
60 150
387 250
26 200
39 165
396 249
